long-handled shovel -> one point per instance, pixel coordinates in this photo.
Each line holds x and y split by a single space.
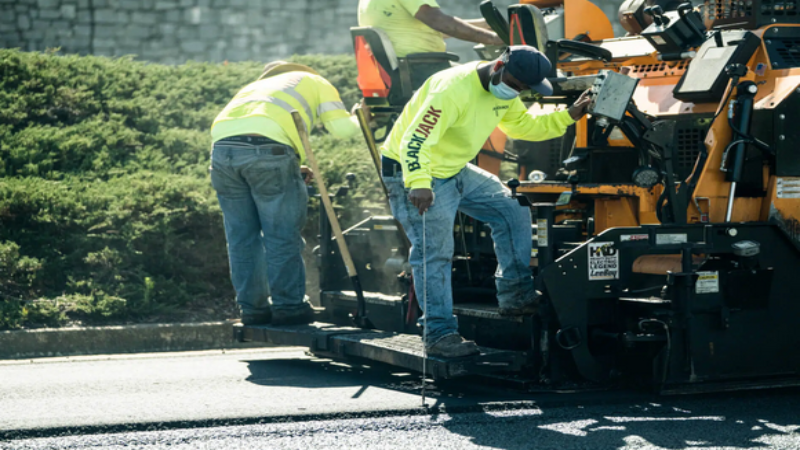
371 145
360 317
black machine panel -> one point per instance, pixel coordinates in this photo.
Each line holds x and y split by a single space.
705 79
689 142
547 156
614 164
710 306
783 47
787 135
673 32
750 14
604 164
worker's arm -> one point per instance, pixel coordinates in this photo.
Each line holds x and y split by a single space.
480 23
433 118
455 27
349 126
344 127
333 114
519 123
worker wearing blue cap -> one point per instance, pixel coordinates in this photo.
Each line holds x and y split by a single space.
427 155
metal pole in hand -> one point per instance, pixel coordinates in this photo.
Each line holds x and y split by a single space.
361 313
424 308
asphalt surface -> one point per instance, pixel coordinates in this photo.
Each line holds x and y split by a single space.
279 398
205 386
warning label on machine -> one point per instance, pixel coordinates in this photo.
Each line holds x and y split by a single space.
633 237
541 232
787 187
603 261
707 283
667 239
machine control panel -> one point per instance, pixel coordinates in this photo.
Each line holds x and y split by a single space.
674 32
611 93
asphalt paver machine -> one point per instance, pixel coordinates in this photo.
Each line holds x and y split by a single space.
666 225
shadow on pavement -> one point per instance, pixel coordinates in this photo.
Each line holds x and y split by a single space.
323 373
731 421
613 419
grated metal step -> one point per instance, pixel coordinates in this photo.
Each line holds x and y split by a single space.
484 311
400 350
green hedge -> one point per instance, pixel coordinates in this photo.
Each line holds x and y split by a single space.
106 210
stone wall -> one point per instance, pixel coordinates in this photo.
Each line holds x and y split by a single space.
174 31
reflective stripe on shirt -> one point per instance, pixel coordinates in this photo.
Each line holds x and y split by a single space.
277 102
330 106
303 102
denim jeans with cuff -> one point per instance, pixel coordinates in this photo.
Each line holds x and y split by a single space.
482 196
263 200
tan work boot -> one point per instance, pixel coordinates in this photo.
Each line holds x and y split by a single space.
528 307
453 346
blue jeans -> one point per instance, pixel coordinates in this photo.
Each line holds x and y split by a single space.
263 200
480 195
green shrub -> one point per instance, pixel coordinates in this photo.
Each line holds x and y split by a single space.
106 209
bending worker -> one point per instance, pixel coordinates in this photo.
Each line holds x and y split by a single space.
257 172
417 26
427 155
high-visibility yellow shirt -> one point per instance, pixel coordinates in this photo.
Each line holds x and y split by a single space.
396 19
450 117
265 108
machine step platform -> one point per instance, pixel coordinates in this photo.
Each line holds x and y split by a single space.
399 350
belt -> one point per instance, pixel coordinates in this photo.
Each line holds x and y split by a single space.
390 167
277 148
254 140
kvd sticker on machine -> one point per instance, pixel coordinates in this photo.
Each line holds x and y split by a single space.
603 261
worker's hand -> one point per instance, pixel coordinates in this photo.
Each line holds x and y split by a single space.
307 174
421 198
578 109
364 107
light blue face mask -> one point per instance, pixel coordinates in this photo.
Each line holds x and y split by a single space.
502 90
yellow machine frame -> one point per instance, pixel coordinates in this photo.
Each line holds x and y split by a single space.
626 205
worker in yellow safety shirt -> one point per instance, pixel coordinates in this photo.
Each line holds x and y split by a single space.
427 156
419 26
258 173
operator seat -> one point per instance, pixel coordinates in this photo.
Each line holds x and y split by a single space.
574 19
527 27
386 79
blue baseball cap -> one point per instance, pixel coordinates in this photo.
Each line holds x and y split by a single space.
529 66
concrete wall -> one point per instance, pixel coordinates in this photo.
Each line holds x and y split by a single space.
174 31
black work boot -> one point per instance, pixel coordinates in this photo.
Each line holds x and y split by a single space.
453 346
256 318
297 315
528 307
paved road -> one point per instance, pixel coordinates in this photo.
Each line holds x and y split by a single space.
215 400
200 386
